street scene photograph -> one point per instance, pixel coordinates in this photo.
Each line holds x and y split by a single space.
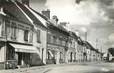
56 36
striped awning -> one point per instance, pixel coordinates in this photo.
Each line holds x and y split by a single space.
24 48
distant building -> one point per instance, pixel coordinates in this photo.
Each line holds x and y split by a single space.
72 47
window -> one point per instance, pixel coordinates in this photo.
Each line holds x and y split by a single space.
38 36
51 41
63 43
60 55
48 56
13 31
3 30
31 37
0 28
54 39
26 35
60 42
49 38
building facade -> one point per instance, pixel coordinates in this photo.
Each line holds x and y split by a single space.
23 36
56 44
28 38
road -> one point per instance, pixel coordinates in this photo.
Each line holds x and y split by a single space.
67 68
84 68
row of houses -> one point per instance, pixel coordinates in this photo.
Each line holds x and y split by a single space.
29 38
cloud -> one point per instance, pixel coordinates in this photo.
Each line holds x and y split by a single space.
38 5
87 12
68 10
111 37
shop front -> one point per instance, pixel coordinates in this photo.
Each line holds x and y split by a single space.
55 54
19 55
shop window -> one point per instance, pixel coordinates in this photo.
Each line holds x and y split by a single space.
38 36
60 55
48 55
26 35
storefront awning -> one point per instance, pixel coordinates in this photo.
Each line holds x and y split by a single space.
24 48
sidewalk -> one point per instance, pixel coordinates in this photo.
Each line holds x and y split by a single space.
35 69
40 69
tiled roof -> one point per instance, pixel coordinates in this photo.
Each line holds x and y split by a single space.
40 14
30 14
13 11
58 28
80 42
73 35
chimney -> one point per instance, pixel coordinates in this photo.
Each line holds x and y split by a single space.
25 2
55 19
2 3
46 13
78 1
63 23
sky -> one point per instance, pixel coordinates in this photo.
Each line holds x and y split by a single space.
96 16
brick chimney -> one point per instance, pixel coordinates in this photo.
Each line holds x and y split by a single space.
24 2
46 13
55 19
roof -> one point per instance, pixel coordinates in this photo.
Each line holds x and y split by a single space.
58 28
32 15
14 12
73 35
111 50
40 14
88 45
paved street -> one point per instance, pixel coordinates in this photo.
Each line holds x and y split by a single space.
85 68
67 68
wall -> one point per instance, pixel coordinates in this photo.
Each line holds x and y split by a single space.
39 58
2 54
